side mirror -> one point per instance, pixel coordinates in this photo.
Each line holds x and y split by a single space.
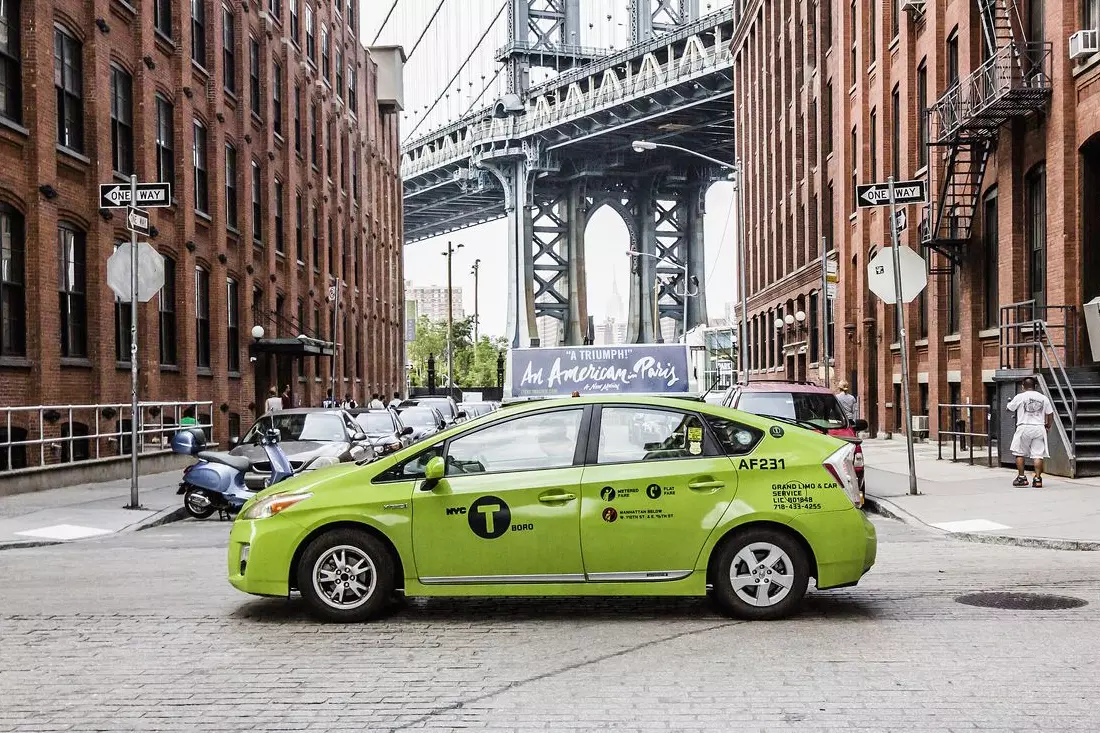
859 425
359 437
462 415
234 441
433 473
407 430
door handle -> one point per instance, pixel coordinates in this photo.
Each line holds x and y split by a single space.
706 485
556 498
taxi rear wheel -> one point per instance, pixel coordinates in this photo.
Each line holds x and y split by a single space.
346 576
760 574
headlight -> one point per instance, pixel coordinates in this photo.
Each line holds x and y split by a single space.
322 462
271 505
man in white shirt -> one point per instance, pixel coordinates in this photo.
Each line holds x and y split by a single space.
396 401
1033 417
376 403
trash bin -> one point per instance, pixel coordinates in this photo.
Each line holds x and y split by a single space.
1092 323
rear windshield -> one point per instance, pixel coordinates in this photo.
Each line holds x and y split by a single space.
418 416
820 409
375 423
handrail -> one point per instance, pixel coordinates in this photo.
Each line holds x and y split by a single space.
988 434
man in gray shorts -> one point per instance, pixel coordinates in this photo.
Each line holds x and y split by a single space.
1033 417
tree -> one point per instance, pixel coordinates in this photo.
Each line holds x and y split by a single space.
475 364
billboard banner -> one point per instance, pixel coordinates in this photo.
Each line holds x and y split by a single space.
627 369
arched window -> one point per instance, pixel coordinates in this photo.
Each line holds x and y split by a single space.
202 318
166 305
11 67
12 456
68 77
13 295
77 449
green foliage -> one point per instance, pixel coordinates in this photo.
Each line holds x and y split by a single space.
475 364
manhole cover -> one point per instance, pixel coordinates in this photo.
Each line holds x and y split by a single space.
1021 601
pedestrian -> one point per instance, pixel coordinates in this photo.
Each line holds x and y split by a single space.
287 401
188 417
396 401
1034 413
349 403
274 401
328 402
376 402
847 402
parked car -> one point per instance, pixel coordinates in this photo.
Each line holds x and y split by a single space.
445 405
387 433
805 403
317 437
425 421
476 409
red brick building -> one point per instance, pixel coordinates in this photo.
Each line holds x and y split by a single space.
830 93
266 119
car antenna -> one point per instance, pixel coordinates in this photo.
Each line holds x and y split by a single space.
710 389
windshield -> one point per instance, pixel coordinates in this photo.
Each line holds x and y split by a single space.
820 409
420 417
375 423
323 427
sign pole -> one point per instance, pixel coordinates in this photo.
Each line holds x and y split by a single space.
825 308
134 502
899 307
335 326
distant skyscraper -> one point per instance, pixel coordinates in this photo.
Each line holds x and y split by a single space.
610 332
549 329
431 301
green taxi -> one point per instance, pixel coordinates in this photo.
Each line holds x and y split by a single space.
589 496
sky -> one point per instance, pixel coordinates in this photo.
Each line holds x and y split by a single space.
454 35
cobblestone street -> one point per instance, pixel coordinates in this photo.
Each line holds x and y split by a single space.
140 631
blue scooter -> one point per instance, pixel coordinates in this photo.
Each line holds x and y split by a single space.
216 483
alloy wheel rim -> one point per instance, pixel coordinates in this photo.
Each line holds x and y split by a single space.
762 574
344 577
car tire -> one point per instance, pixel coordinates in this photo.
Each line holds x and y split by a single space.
346 576
193 508
751 563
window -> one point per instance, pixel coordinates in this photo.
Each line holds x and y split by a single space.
294 22
316 240
953 58
827 217
202 192
769 326
233 325
331 252
922 299
344 258
234 423
346 335
1090 14
162 16
827 120
350 13
257 207
355 260
122 130
339 74
815 328
166 162
855 162
353 160
297 117
275 7
280 245
77 449
954 285
72 299
1036 32
166 315
854 30
326 68
329 137
254 75
922 114
68 79
123 322
991 253
202 318
895 18
628 435
11 72
298 234
231 187
352 99
13 295
873 144
872 47
895 138
733 438
311 44
229 52
545 440
827 24
1035 193
314 143
277 98
198 32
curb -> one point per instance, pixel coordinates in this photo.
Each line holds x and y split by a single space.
21 544
164 516
882 507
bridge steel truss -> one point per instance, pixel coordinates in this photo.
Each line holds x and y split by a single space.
549 169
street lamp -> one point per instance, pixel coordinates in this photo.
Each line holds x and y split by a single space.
449 254
736 175
474 272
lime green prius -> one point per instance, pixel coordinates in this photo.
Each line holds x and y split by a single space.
592 496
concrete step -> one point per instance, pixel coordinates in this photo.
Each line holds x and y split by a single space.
1088 466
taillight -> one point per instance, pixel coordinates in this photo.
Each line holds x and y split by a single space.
857 457
841 466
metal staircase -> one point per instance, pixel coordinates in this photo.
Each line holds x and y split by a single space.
1013 81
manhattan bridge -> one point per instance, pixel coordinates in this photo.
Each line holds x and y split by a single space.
548 142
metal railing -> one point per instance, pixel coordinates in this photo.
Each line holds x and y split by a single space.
961 432
66 434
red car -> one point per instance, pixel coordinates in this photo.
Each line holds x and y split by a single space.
803 403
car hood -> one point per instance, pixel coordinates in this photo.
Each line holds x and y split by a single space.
296 450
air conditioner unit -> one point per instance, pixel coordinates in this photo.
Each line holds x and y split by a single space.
920 424
1084 43
913 7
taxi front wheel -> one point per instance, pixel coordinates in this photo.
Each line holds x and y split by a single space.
760 574
346 576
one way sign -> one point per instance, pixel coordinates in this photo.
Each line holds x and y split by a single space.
878 194
151 195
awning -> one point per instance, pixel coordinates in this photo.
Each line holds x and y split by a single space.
291 347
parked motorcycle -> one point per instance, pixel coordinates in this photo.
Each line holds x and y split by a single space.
216 483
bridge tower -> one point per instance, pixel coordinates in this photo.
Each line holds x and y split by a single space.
546 219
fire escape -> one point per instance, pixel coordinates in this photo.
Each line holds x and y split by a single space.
1013 81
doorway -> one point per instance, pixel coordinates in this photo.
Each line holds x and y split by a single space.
1090 223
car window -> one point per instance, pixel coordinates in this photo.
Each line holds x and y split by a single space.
630 434
734 438
819 409
411 468
540 440
324 427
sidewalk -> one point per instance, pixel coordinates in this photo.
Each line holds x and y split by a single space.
89 510
980 504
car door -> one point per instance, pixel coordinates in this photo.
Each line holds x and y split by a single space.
655 485
508 507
